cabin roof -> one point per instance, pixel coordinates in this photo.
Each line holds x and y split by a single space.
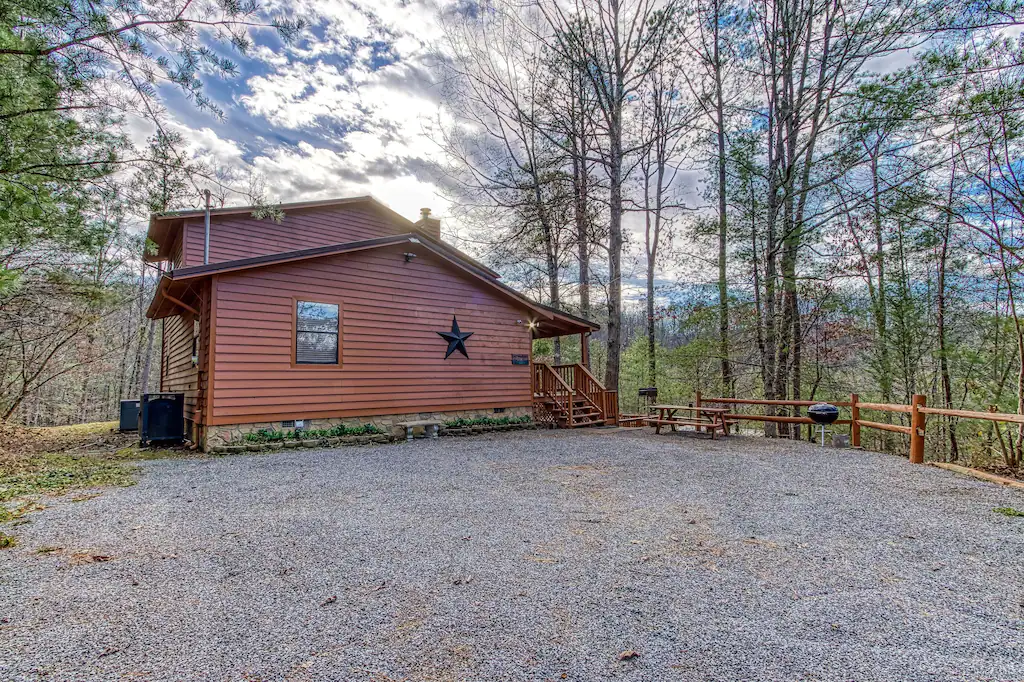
163 224
176 286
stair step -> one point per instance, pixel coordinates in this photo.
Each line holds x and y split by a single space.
590 422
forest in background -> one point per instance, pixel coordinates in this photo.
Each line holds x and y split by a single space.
788 199
808 198
76 192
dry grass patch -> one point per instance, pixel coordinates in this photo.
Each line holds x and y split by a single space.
56 460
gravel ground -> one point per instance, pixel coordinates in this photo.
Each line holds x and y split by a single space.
524 556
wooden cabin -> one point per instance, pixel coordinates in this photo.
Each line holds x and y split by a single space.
346 312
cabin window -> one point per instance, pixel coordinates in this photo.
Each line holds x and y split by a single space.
316 333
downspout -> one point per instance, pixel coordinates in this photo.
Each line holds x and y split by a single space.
206 240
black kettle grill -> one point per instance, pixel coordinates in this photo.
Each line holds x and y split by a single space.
823 414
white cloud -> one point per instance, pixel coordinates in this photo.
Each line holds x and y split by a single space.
297 94
205 142
365 128
308 172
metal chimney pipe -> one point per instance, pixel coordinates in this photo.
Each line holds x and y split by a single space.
206 240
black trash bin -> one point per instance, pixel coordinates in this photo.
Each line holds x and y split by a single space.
162 418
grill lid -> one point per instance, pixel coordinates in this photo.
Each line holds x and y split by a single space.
823 413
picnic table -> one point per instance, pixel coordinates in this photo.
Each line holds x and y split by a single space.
711 419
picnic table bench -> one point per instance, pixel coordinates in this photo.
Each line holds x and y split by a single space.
710 419
430 427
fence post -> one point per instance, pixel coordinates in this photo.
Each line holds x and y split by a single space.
917 418
854 421
696 403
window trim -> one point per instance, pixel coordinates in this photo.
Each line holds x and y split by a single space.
295 331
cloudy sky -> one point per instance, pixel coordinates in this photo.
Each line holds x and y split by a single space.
349 109
352 108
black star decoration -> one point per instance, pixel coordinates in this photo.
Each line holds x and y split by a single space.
456 339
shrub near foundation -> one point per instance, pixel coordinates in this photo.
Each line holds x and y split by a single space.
265 439
462 426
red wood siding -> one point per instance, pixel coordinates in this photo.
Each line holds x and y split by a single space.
241 236
178 250
177 373
204 353
392 358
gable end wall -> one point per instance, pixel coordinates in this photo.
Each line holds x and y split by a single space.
392 358
240 236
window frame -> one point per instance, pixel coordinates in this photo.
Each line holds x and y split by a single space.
295 331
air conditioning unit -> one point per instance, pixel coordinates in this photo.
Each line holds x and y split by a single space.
129 416
162 418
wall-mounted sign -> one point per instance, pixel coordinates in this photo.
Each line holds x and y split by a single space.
520 359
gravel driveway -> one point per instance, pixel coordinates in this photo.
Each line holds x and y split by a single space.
524 556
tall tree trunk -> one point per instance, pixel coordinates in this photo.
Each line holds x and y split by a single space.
881 302
758 305
581 187
1015 455
147 357
652 365
652 236
611 376
723 285
940 320
550 255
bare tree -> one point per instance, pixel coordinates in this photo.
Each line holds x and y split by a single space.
501 163
663 119
617 44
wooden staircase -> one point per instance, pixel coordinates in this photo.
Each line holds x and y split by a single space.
569 397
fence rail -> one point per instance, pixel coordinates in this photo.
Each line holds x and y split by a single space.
917 409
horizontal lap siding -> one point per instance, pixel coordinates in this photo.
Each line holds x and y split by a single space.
204 354
179 376
392 358
178 250
241 236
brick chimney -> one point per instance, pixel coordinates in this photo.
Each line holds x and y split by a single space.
429 226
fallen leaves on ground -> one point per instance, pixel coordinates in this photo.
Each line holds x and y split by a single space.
629 654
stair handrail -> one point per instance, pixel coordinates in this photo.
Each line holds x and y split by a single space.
586 371
587 386
544 371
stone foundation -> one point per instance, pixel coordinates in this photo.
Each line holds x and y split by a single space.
233 433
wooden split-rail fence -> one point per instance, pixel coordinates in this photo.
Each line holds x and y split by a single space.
917 409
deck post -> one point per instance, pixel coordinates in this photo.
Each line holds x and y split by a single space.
854 421
584 350
917 418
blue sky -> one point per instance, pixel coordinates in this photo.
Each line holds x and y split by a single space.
349 109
